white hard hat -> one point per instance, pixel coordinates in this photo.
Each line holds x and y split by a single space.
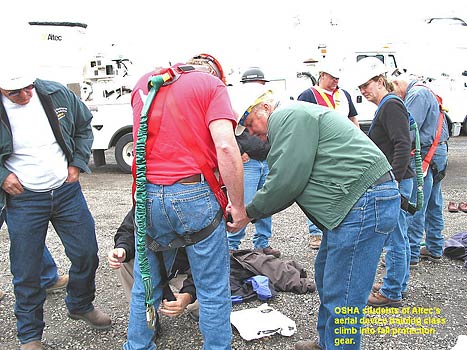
15 71
331 66
244 97
368 68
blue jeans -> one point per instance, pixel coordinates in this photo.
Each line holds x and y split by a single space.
345 266
429 220
28 215
49 274
177 210
255 173
313 230
398 252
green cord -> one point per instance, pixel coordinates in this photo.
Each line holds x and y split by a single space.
140 193
418 165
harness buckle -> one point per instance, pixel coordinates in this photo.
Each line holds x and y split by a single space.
151 316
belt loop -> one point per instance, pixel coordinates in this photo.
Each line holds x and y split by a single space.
202 178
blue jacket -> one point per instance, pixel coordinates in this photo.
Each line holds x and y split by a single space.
70 121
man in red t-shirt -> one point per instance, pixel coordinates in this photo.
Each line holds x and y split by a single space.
179 200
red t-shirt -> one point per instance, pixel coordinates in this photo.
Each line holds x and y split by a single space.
202 98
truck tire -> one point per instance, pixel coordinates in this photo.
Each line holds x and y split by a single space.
124 152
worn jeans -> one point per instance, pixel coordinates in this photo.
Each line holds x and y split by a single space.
255 173
49 273
28 215
398 252
345 266
313 230
429 220
177 210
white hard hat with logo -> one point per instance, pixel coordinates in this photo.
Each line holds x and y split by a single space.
368 68
244 98
330 66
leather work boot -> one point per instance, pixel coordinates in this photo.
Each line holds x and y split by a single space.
307 345
452 207
315 241
377 287
61 283
95 318
377 299
424 253
32 345
269 251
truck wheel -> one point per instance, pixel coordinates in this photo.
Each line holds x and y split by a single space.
124 152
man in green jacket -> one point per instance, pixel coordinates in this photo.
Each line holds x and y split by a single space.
344 185
45 142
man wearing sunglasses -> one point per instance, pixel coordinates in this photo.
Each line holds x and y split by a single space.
45 142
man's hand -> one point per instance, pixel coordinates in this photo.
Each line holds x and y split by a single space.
239 217
73 174
11 185
176 308
116 257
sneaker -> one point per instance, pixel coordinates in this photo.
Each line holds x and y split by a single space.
2 294
377 299
462 207
269 251
307 345
61 283
377 287
32 345
95 318
425 254
315 241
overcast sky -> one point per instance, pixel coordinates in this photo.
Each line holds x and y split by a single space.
240 33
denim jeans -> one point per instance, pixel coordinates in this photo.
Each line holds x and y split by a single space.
345 266
398 252
28 215
49 273
177 210
313 230
429 220
255 173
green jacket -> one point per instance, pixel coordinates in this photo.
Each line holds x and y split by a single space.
70 121
319 160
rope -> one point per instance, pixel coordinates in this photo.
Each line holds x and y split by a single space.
155 83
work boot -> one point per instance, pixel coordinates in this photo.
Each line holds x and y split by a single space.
62 282
425 253
269 251
377 299
2 295
32 345
315 241
377 287
307 345
95 318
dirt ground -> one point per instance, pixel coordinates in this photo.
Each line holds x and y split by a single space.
107 190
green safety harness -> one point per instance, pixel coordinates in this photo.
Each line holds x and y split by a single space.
405 204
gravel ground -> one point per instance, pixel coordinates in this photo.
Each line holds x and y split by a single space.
441 285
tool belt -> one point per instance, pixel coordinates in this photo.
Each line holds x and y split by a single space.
186 240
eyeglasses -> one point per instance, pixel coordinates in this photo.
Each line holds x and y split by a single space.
364 86
14 93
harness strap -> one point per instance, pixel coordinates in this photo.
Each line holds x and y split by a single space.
434 145
186 240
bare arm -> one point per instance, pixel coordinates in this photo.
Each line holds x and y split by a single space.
230 163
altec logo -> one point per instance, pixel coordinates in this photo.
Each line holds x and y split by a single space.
52 37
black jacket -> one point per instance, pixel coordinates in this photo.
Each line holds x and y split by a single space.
253 146
125 238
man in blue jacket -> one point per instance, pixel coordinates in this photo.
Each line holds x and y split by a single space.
45 142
